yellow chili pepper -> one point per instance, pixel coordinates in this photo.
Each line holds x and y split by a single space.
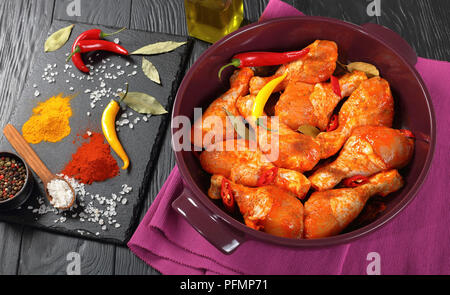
109 129
263 95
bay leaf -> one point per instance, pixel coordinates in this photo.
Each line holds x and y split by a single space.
341 69
150 71
159 47
369 69
58 39
143 103
308 130
239 127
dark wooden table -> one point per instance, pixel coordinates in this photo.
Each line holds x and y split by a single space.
23 250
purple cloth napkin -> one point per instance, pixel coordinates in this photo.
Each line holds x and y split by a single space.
414 242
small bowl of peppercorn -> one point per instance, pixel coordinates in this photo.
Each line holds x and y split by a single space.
16 181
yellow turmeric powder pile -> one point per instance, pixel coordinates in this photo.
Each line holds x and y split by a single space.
50 120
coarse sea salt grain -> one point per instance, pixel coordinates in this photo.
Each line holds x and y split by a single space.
60 193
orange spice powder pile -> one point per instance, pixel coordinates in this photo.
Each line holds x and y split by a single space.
92 161
50 120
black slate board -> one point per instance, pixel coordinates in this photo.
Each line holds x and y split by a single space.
142 142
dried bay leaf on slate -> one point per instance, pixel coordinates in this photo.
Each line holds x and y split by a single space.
159 47
239 127
369 69
308 130
58 39
150 71
143 103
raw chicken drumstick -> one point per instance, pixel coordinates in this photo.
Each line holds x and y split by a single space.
303 103
317 66
370 104
207 125
248 166
295 151
369 150
328 213
267 208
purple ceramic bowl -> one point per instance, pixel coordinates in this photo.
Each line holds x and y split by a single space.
370 43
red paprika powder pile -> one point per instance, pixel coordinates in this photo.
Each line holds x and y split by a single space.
92 161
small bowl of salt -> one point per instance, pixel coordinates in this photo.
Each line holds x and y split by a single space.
60 193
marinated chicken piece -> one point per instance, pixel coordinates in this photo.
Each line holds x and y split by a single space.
317 66
369 150
328 213
212 126
241 162
351 81
303 103
294 107
282 146
267 208
370 104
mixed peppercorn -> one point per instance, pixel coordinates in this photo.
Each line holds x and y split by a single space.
12 177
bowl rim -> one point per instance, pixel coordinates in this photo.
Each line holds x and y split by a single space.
328 241
27 179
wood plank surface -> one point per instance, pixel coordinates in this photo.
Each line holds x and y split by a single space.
21 24
354 11
10 245
423 23
112 13
159 16
44 253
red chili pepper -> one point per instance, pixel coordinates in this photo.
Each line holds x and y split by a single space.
336 86
267 177
334 123
93 34
227 195
407 133
262 58
355 181
93 45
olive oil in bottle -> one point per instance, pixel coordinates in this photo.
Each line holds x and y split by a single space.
210 20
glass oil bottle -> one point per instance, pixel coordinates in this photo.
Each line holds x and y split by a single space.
210 20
